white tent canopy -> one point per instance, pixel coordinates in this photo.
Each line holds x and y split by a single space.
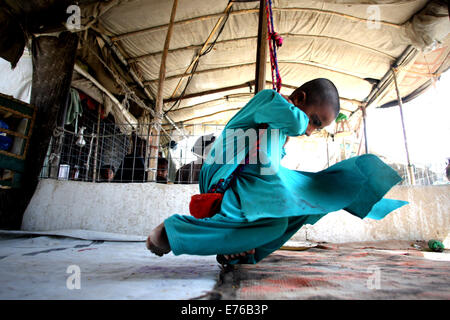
348 42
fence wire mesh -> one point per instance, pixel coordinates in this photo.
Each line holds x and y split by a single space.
100 150
104 153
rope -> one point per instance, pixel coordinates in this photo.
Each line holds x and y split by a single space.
223 184
275 42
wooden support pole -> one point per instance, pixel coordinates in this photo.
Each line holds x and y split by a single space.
97 135
400 105
53 61
261 51
154 146
364 114
202 50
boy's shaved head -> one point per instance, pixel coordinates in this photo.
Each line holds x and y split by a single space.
320 92
319 100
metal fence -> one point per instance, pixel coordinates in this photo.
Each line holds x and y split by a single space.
424 175
105 152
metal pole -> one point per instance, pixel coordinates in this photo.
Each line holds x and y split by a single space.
400 105
363 109
261 52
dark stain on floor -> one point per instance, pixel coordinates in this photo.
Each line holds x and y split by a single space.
78 246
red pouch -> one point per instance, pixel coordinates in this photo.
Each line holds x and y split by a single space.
205 205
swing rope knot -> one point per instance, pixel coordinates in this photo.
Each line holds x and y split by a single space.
277 39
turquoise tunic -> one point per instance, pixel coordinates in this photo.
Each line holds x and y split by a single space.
267 204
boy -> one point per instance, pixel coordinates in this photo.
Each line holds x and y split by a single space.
267 204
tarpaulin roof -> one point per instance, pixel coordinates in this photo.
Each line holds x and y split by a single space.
353 43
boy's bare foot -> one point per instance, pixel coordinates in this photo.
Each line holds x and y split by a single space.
157 241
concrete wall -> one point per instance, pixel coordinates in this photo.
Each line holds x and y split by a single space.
127 208
427 216
136 208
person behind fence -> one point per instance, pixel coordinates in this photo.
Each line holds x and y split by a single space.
265 204
190 172
106 173
132 169
162 170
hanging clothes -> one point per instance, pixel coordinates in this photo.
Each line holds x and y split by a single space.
74 109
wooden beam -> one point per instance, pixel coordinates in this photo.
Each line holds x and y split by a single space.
117 51
180 23
284 35
230 109
248 84
127 115
137 81
241 12
236 96
203 49
154 148
261 51
211 114
406 58
353 101
191 47
177 76
146 82
203 93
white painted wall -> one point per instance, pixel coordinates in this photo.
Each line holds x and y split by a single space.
427 216
136 208
127 208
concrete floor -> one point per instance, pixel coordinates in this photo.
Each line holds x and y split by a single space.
46 266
